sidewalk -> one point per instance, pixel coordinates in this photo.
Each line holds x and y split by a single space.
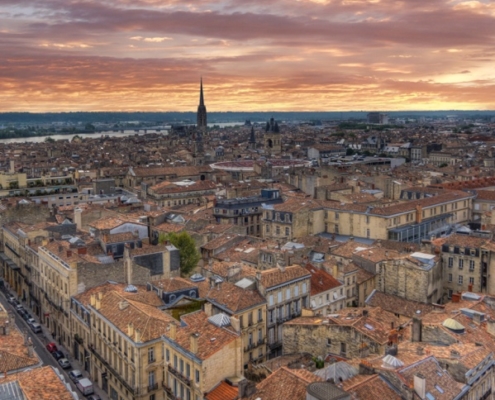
46 337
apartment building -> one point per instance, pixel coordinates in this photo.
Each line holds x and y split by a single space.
287 291
169 194
327 293
245 211
296 217
198 354
465 262
121 335
410 221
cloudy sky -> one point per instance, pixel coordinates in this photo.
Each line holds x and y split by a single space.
266 55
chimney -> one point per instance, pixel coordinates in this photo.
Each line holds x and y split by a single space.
172 331
365 313
420 385
123 304
69 253
470 287
208 309
419 214
246 388
417 329
419 351
137 336
236 324
130 329
98 301
99 295
477 318
92 300
194 342
456 297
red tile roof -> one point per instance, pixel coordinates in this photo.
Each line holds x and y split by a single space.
223 392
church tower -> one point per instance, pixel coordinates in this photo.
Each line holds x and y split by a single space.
252 139
201 109
272 138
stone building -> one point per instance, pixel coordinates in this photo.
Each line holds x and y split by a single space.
272 138
287 292
352 333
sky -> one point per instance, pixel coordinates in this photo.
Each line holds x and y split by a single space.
253 55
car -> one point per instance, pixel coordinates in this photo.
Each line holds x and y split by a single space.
57 355
22 313
11 299
31 321
93 397
36 327
75 375
19 307
26 316
51 347
64 363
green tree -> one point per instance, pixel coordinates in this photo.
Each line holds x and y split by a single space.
189 255
349 152
49 139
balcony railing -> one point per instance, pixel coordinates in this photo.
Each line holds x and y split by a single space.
152 387
179 375
113 371
487 394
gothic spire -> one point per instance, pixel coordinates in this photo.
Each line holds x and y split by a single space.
201 97
202 118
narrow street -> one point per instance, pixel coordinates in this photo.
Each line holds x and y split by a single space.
40 340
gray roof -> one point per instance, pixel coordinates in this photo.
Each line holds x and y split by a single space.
337 371
220 320
11 391
326 391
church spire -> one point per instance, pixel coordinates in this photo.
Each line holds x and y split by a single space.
201 97
202 122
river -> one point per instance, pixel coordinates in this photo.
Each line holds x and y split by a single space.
127 132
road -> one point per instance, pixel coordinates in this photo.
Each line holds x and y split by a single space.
39 343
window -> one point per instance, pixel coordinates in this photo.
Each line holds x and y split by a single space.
450 277
151 379
461 280
336 229
268 228
471 280
304 287
329 342
296 290
277 230
287 294
451 262
151 355
471 265
175 361
461 263
279 296
270 300
287 231
367 219
367 233
188 370
167 355
336 216
260 315
197 376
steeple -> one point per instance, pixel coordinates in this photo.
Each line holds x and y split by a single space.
201 123
252 139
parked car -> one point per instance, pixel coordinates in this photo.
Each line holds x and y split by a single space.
57 355
26 316
85 386
75 375
64 363
31 321
11 299
36 327
94 397
19 307
22 312
51 347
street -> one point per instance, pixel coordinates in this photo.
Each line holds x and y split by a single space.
39 342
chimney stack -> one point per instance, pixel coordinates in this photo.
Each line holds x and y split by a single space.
130 329
420 385
172 333
194 342
417 329
137 336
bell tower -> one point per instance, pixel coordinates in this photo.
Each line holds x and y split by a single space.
202 120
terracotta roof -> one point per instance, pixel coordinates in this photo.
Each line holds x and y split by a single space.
230 296
211 338
283 382
321 281
40 384
173 284
371 388
223 391
398 305
275 276
142 295
13 352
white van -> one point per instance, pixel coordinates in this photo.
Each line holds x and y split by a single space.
85 386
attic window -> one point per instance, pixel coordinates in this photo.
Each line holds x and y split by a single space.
369 327
439 388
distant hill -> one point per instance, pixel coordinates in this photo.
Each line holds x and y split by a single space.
218 117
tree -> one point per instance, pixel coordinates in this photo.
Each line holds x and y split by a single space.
49 140
189 255
349 152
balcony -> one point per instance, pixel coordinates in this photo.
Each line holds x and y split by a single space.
274 345
177 374
152 387
113 371
168 390
487 394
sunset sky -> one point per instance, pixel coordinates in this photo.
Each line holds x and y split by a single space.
254 55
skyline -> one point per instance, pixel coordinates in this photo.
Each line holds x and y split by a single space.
308 55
